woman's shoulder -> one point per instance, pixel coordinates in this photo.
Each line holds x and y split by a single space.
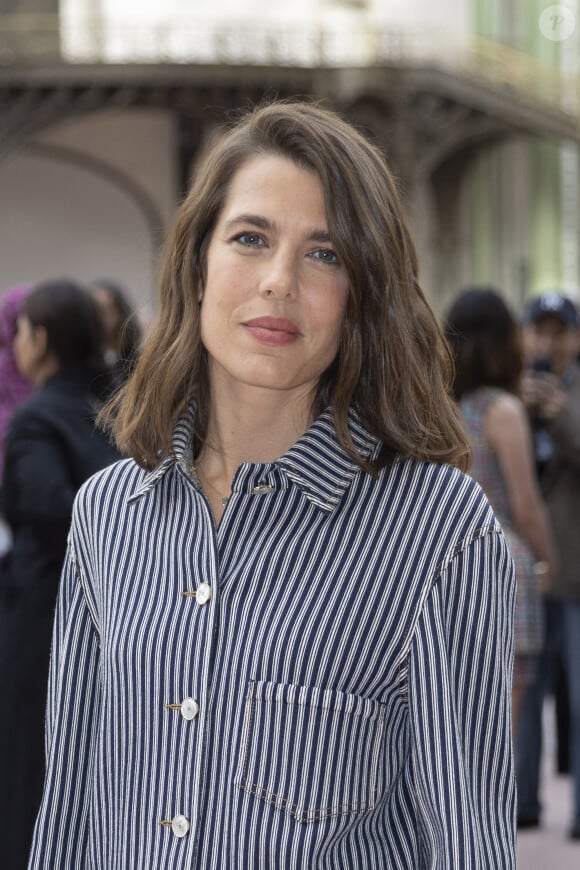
483 398
439 474
47 405
29 421
31 406
115 483
506 403
433 511
506 417
440 490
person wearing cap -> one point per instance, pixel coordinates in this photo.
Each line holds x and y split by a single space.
551 392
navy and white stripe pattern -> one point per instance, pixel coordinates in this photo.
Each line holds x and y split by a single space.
323 682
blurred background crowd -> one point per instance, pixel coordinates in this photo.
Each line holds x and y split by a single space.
106 107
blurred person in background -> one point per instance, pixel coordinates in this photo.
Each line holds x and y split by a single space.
551 392
14 387
52 447
122 332
488 365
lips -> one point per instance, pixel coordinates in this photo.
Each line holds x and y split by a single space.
277 324
272 330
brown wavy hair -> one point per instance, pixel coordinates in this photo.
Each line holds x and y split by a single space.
485 340
393 364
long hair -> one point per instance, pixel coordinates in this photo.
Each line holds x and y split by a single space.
71 320
484 337
129 334
393 365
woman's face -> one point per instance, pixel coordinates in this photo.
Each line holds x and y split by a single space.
29 349
110 314
275 296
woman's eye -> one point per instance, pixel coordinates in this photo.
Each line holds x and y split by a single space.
250 240
326 255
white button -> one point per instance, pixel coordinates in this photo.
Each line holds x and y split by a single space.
180 826
189 708
203 593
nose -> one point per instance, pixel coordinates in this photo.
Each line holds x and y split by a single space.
544 346
280 277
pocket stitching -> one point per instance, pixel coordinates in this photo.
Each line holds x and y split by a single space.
249 720
300 813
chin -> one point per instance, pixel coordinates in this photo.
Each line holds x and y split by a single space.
273 378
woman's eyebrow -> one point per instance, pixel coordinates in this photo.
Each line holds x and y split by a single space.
264 223
255 220
318 236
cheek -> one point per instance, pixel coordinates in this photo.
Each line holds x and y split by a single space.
213 321
23 356
224 292
332 309
542 345
223 284
19 347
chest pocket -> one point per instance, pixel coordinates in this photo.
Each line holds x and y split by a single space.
313 753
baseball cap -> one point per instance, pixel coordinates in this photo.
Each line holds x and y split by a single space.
553 305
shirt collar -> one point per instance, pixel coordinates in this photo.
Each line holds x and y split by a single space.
320 466
182 440
316 462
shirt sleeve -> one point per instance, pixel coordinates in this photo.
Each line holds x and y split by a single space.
460 673
61 831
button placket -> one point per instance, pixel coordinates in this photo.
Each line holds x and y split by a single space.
189 708
202 594
179 825
262 489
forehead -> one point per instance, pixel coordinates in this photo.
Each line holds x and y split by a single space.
551 325
270 181
104 298
23 325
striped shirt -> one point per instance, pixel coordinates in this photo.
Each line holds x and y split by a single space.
322 682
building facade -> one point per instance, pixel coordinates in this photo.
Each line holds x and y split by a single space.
106 104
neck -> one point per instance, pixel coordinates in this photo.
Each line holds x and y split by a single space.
254 425
44 370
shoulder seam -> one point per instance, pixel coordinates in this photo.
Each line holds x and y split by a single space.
462 545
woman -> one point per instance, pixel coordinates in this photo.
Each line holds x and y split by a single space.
288 618
486 343
14 389
121 330
52 447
